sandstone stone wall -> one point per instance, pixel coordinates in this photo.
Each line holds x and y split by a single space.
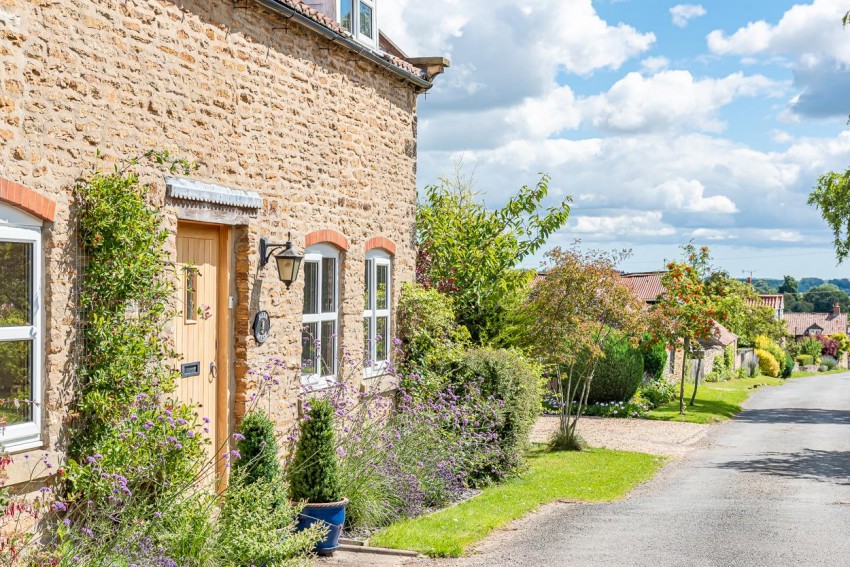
261 104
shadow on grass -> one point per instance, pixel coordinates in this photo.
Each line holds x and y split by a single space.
796 415
808 464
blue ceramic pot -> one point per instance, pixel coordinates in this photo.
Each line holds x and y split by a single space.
332 515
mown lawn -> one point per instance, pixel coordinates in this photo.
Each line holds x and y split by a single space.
716 401
808 374
596 475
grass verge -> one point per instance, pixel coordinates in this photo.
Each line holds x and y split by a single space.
716 401
596 475
808 374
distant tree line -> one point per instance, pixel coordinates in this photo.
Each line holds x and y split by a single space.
808 294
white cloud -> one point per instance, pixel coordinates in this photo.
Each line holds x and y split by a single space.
810 31
655 64
627 225
689 196
712 234
671 98
812 38
683 12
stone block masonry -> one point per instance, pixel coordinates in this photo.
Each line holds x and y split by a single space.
326 138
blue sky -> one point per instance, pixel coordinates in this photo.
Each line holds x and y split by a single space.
664 121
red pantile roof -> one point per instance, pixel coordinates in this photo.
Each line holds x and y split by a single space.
773 300
721 336
646 285
831 323
308 11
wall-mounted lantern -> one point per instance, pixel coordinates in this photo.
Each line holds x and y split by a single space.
288 261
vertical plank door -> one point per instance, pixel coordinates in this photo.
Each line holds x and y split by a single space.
196 325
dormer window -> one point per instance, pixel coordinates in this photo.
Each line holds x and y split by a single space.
358 17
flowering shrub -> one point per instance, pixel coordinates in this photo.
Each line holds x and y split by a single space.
829 346
512 384
658 393
617 409
767 363
764 343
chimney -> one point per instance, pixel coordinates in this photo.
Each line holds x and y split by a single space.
836 309
750 280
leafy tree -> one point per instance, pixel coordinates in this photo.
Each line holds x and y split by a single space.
761 286
788 286
794 304
742 310
571 314
472 254
825 296
831 197
685 312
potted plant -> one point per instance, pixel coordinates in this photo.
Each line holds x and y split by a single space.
314 476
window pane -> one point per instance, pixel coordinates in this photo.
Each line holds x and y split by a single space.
311 288
367 290
15 284
366 20
328 348
382 339
191 293
346 9
383 285
15 382
328 285
367 341
309 336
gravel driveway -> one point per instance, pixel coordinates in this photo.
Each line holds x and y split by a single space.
669 438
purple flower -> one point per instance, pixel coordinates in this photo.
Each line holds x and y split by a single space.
238 437
60 506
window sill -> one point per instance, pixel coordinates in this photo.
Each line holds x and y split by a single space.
20 445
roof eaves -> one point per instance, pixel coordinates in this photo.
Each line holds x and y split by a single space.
319 22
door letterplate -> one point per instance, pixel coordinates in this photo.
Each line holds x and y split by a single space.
189 369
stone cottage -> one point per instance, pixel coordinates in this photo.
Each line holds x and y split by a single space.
302 120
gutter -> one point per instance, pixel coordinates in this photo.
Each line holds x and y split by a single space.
289 13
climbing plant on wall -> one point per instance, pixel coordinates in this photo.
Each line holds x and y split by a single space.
125 423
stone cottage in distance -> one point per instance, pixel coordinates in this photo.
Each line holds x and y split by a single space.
302 119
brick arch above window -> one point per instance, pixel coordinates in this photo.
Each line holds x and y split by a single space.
381 242
27 200
328 236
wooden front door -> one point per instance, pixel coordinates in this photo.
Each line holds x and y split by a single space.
197 323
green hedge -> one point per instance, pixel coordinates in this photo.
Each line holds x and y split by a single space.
515 381
805 359
618 375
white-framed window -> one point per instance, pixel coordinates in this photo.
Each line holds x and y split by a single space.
21 329
360 18
321 316
376 312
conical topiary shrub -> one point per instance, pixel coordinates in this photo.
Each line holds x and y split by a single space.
257 447
314 470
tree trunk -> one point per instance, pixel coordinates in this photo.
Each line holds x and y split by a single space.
696 381
686 347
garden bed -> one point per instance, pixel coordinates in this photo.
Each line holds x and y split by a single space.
597 475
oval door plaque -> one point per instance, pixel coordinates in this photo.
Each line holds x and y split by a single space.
262 325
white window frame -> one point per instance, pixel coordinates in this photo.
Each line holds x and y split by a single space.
24 436
315 254
355 15
372 367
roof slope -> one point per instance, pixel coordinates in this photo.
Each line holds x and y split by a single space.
312 13
646 285
831 323
772 300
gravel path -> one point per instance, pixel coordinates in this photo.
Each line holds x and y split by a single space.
668 438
